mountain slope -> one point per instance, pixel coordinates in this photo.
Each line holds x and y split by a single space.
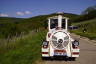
9 19
89 26
10 27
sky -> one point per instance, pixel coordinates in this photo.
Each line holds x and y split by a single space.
30 8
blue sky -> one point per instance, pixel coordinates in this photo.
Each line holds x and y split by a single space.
29 8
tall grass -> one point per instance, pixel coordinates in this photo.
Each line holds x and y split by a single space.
22 50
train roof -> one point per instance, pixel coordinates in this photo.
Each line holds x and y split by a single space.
56 17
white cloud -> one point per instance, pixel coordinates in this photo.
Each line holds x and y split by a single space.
23 13
3 15
20 13
27 12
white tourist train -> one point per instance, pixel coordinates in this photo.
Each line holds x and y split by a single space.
58 41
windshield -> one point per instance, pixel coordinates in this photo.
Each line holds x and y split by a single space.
63 23
54 23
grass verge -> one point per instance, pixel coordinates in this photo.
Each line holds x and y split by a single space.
90 27
25 50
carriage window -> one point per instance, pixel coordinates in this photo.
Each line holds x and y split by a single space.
63 23
54 23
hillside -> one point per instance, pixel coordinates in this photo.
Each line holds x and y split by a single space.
41 19
9 19
10 27
89 25
84 17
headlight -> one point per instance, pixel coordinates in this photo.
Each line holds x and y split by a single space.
75 42
45 44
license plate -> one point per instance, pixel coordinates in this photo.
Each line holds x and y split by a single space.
58 53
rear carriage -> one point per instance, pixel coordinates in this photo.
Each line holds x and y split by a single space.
58 40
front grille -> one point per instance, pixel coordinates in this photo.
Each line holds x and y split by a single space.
58 42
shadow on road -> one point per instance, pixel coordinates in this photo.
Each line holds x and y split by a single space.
59 58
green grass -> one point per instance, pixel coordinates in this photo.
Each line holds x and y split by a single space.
86 34
90 27
24 50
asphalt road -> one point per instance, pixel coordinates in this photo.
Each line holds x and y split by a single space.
87 53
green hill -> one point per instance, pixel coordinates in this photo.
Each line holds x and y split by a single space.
9 19
10 27
84 17
89 25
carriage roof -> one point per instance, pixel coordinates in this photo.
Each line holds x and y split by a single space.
56 17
